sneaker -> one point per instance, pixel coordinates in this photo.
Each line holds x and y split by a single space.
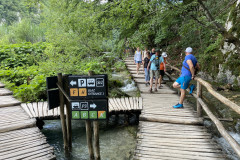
155 90
150 90
192 87
159 87
178 106
146 84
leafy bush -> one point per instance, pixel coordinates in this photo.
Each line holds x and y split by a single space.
15 55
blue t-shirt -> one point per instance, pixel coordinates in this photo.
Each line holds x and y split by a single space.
184 71
156 61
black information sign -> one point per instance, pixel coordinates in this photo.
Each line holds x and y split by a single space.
89 109
88 87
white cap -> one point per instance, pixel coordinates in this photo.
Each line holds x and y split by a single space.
164 54
188 49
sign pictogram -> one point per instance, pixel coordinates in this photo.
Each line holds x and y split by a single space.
74 92
82 83
82 92
99 82
89 87
90 109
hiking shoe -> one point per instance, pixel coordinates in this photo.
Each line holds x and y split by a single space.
159 87
150 90
178 106
155 90
192 87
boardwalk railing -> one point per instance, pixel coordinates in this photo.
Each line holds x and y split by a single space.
202 106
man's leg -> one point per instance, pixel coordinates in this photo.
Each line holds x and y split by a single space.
151 80
182 97
176 85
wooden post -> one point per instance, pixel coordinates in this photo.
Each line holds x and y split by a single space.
95 133
68 113
64 128
96 140
199 95
89 139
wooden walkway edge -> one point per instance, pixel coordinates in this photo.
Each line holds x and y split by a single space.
116 105
19 136
167 133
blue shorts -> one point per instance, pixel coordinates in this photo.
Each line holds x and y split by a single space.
138 61
184 81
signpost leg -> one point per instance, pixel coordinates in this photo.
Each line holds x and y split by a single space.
68 114
89 139
96 140
64 129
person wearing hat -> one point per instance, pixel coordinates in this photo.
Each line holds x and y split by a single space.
154 66
187 74
162 68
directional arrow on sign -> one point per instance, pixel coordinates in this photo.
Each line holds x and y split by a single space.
73 82
93 105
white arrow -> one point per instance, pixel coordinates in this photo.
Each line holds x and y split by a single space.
73 82
93 106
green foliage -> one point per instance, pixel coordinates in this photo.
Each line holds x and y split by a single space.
15 55
27 83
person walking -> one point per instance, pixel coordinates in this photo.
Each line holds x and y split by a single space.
152 52
144 55
145 64
138 59
154 66
162 69
187 74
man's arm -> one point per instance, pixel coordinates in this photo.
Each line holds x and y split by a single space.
198 66
191 67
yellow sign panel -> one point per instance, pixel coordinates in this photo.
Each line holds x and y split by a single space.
73 92
82 91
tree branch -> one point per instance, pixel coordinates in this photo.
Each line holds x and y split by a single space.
219 27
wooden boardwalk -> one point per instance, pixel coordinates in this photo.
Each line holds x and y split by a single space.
167 133
40 109
19 136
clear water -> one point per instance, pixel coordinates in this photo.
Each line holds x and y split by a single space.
116 142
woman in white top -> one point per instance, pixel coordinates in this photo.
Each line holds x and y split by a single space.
138 58
144 55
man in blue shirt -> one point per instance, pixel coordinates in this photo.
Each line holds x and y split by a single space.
187 74
154 66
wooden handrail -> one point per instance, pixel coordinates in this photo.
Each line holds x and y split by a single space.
220 97
234 144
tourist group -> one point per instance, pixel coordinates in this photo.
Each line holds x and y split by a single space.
154 67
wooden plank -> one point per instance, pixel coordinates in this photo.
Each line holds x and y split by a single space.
5 92
131 102
25 107
27 153
113 104
160 151
172 120
23 124
117 104
127 103
122 106
8 101
140 103
41 156
31 109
